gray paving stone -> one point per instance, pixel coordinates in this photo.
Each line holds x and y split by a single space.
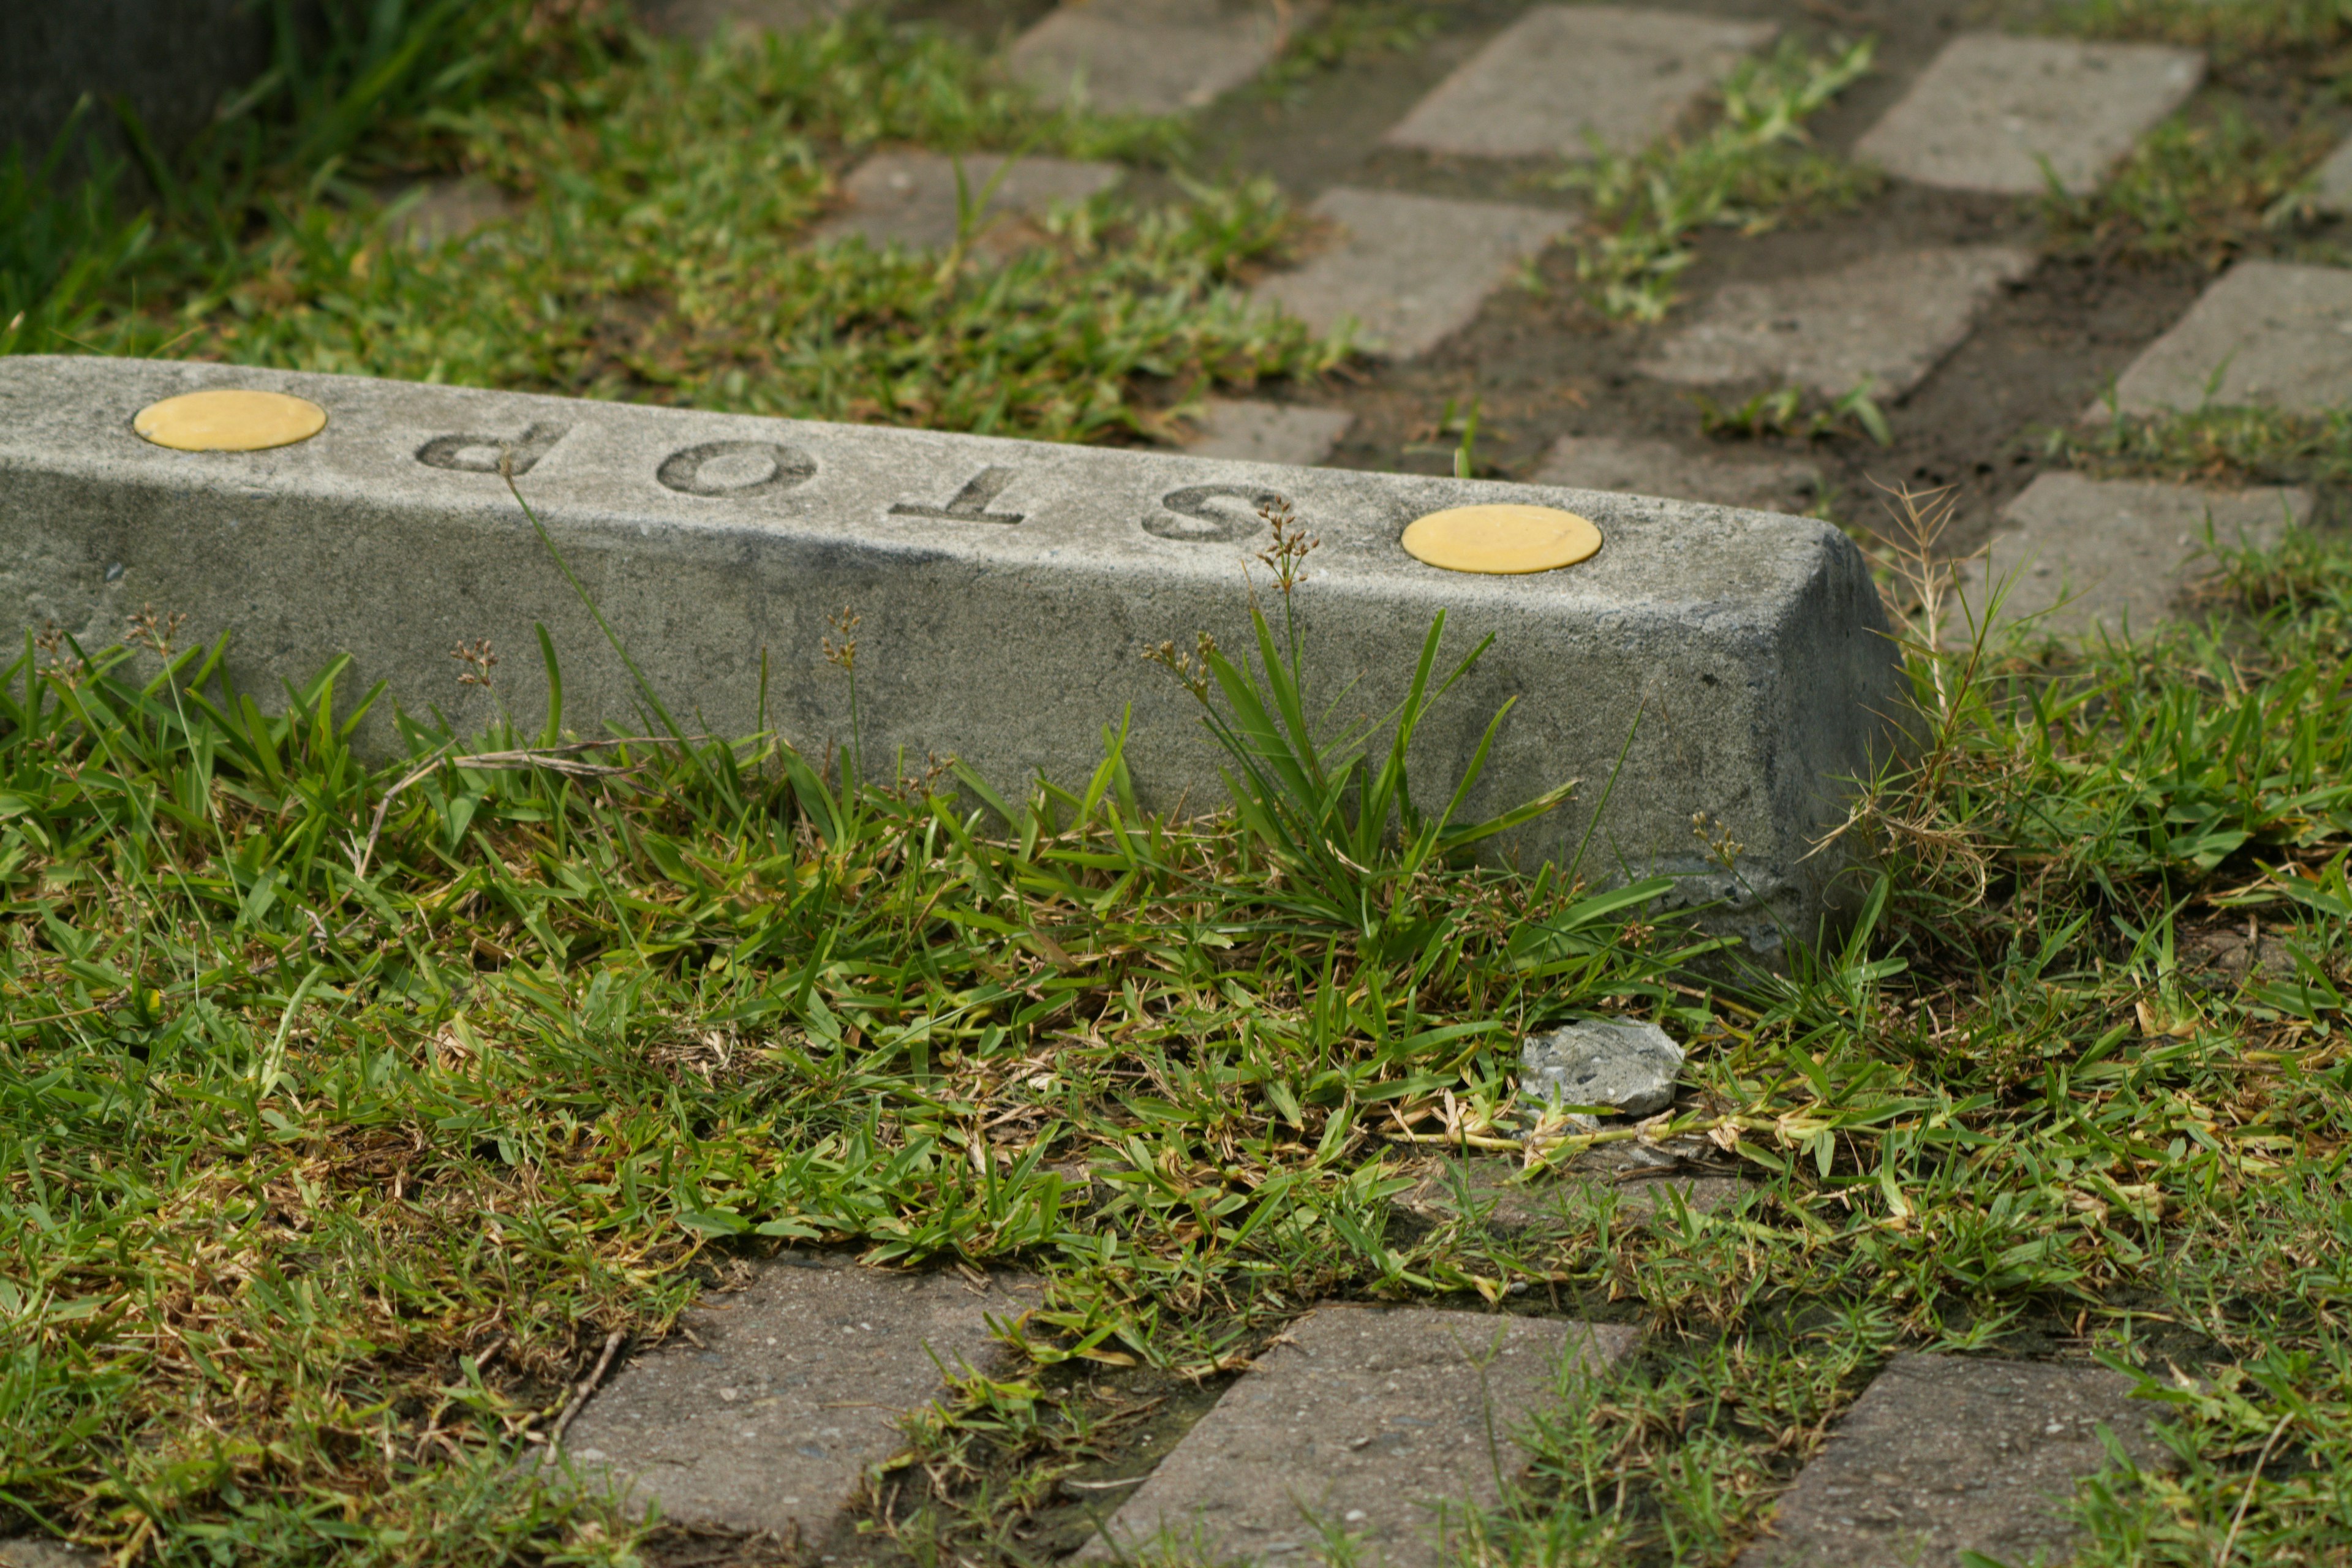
1009 589
2117 553
1247 431
1362 1420
1559 76
1943 1455
1888 320
1662 468
39 1551
2331 182
797 1385
910 197
451 209
1410 270
1992 109
2264 332
1151 56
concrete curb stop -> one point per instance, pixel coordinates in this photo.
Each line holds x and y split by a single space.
1007 589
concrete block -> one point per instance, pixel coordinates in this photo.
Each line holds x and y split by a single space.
2331 182
1560 75
1151 56
1888 320
2265 333
910 197
1009 590
797 1385
1946 1455
1283 433
1359 1420
1410 270
444 210
1662 468
2084 553
1992 108
39 1551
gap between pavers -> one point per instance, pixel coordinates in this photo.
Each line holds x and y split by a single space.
1944 1454
2115 554
1649 468
2272 333
1009 590
1361 1421
1247 431
1410 270
1152 57
910 197
765 1420
1991 111
1885 320
1562 76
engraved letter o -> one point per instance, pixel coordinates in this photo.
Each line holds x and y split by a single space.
765 467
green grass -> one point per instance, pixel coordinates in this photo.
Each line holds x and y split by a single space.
2206 185
1751 171
2214 444
2236 28
660 251
339 1121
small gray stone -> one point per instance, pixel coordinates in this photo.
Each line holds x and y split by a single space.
1363 1421
1253 432
797 1385
1946 1455
1410 270
1662 468
1560 75
1619 1062
2114 554
1885 319
1992 109
1151 56
2264 332
449 209
910 197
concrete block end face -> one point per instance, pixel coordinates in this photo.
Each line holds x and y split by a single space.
1008 590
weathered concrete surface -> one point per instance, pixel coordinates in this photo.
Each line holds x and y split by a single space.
1888 319
1360 1420
1410 270
1560 77
447 209
2331 182
1943 1455
1642 468
1008 591
2265 333
798 1385
1487 1193
38 1551
2116 554
1151 56
1252 432
910 197
1626 1063
1992 109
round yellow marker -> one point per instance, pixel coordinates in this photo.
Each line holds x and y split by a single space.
1501 540
229 421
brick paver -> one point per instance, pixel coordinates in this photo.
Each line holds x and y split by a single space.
1151 56
2084 553
1888 319
797 1384
1410 270
1662 468
1560 75
1362 1421
910 197
1946 1455
1992 110
2264 332
1253 431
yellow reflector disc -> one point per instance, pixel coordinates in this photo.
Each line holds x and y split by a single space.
228 421
1501 540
